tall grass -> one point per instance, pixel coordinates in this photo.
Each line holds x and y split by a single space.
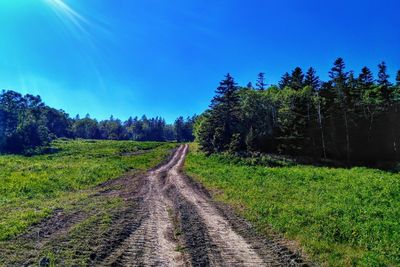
341 217
32 187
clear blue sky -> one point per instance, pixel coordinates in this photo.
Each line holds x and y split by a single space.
157 57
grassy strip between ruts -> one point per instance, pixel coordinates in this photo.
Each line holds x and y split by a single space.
31 188
340 217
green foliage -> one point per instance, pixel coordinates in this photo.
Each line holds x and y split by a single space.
27 126
341 217
32 187
311 79
184 129
261 85
297 79
251 141
354 120
285 80
236 142
143 129
221 121
26 123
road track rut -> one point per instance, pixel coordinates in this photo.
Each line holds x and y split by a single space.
179 225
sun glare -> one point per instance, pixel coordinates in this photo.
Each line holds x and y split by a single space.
69 16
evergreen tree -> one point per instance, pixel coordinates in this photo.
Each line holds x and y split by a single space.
261 81
383 77
338 74
346 118
225 112
398 78
354 92
339 79
297 79
226 94
311 79
285 80
366 77
179 129
383 82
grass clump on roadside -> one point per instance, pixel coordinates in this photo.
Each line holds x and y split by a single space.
31 188
341 217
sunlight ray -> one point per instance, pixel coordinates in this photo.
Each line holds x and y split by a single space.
70 17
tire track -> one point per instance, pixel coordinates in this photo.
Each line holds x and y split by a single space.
179 225
229 248
151 244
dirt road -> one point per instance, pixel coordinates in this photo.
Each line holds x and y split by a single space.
163 218
179 225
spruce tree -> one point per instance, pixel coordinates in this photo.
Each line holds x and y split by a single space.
225 112
226 94
339 79
261 81
366 77
383 81
179 129
297 79
338 74
311 79
285 80
383 77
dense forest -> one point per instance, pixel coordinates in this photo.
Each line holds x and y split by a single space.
351 118
27 125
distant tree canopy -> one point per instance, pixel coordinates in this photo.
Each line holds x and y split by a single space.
27 125
349 118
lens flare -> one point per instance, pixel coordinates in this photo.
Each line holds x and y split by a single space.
69 16
85 31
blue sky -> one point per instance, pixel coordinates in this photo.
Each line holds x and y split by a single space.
165 58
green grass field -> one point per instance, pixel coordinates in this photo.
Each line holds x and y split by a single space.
340 217
31 188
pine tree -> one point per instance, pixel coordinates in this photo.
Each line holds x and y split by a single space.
250 86
372 100
225 112
366 77
297 80
355 90
311 79
383 77
261 81
226 93
383 81
365 83
179 129
339 79
285 80
338 74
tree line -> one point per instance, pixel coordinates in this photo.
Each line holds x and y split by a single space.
28 125
351 118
